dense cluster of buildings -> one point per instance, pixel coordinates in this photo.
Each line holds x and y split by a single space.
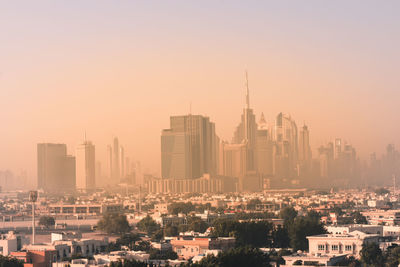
260 156
194 159
344 237
59 172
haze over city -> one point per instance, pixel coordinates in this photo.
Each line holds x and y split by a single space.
199 133
121 70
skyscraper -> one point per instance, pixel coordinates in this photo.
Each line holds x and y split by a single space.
286 140
246 132
85 166
188 148
265 148
110 162
55 169
122 160
115 162
305 156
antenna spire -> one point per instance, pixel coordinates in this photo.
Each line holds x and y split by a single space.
247 92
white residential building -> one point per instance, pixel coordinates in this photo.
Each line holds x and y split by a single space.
12 242
338 244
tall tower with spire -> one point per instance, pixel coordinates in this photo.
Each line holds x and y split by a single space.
246 131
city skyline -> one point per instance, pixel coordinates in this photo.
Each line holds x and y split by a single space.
336 75
118 150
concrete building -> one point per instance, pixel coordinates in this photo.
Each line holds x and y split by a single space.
386 217
85 166
286 143
312 260
41 257
305 155
204 184
233 160
345 229
265 149
55 169
83 209
116 175
338 244
12 242
188 247
188 148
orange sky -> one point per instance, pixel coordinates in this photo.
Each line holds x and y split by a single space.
123 68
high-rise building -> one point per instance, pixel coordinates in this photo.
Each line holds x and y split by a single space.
55 169
122 159
326 157
305 155
265 148
188 148
110 162
286 145
233 160
304 145
337 148
116 162
85 166
246 132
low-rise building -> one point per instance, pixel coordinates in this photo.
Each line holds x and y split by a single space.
386 217
338 244
312 260
36 258
12 242
188 247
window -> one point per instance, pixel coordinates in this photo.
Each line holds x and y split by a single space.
321 247
335 247
347 247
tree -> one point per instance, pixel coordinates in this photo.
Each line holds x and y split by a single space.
128 263
148 225
359 218
197 224
251 205
302 227
257 234
142 246
180 207
47 221
156 254
223 228
382 191
114 223
237 257
338 211
393 256
171 230
288 214
371 254
6 261
157 235
129 240
280 237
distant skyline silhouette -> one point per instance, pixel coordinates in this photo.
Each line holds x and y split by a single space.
123 68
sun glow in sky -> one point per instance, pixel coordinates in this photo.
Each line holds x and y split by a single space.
121 68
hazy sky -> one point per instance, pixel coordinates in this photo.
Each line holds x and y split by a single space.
123 67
